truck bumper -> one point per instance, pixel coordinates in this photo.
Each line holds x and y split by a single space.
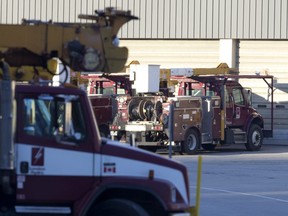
181 214
192 211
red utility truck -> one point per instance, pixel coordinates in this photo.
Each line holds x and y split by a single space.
52 158
227 115
54 161
214 109
108 94
104 91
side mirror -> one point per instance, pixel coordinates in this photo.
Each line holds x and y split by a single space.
249 96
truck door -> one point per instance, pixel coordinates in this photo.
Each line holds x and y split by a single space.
207 119
236 111
55 162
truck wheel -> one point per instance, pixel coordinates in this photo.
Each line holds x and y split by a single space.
119 207
255 138
191 143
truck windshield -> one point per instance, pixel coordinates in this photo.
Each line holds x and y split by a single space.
110 91
59 117
108 88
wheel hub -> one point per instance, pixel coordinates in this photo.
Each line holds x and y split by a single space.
192 142
256 138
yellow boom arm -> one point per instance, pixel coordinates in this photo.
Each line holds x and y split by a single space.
88 47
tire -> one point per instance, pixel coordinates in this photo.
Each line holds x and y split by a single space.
118 207
208 147
255 138
191 143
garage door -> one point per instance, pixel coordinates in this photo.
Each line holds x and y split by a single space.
268 57
174 53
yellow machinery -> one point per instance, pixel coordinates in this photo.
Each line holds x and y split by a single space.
89 47
29 73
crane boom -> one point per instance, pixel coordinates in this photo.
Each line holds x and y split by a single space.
221 69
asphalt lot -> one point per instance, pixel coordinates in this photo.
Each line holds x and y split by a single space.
237 182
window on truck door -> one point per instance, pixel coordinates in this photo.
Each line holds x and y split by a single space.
55 117
228 99
238 96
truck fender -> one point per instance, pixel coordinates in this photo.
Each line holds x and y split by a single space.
254 118
158 190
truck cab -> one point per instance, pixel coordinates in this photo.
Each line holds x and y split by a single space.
57 163
238 105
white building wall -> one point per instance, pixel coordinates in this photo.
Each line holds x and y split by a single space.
268 57
174 53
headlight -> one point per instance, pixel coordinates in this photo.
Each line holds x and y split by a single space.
173 194
121 99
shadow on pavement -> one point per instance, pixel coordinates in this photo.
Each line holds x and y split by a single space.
236 149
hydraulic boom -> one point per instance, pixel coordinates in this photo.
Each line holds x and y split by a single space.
89 47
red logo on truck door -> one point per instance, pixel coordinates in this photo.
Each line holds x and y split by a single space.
109 168
37 156
238 112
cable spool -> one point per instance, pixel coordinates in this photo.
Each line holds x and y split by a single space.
133 109
146 109
140 109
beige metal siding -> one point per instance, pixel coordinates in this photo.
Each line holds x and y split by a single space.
267 57
174 53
